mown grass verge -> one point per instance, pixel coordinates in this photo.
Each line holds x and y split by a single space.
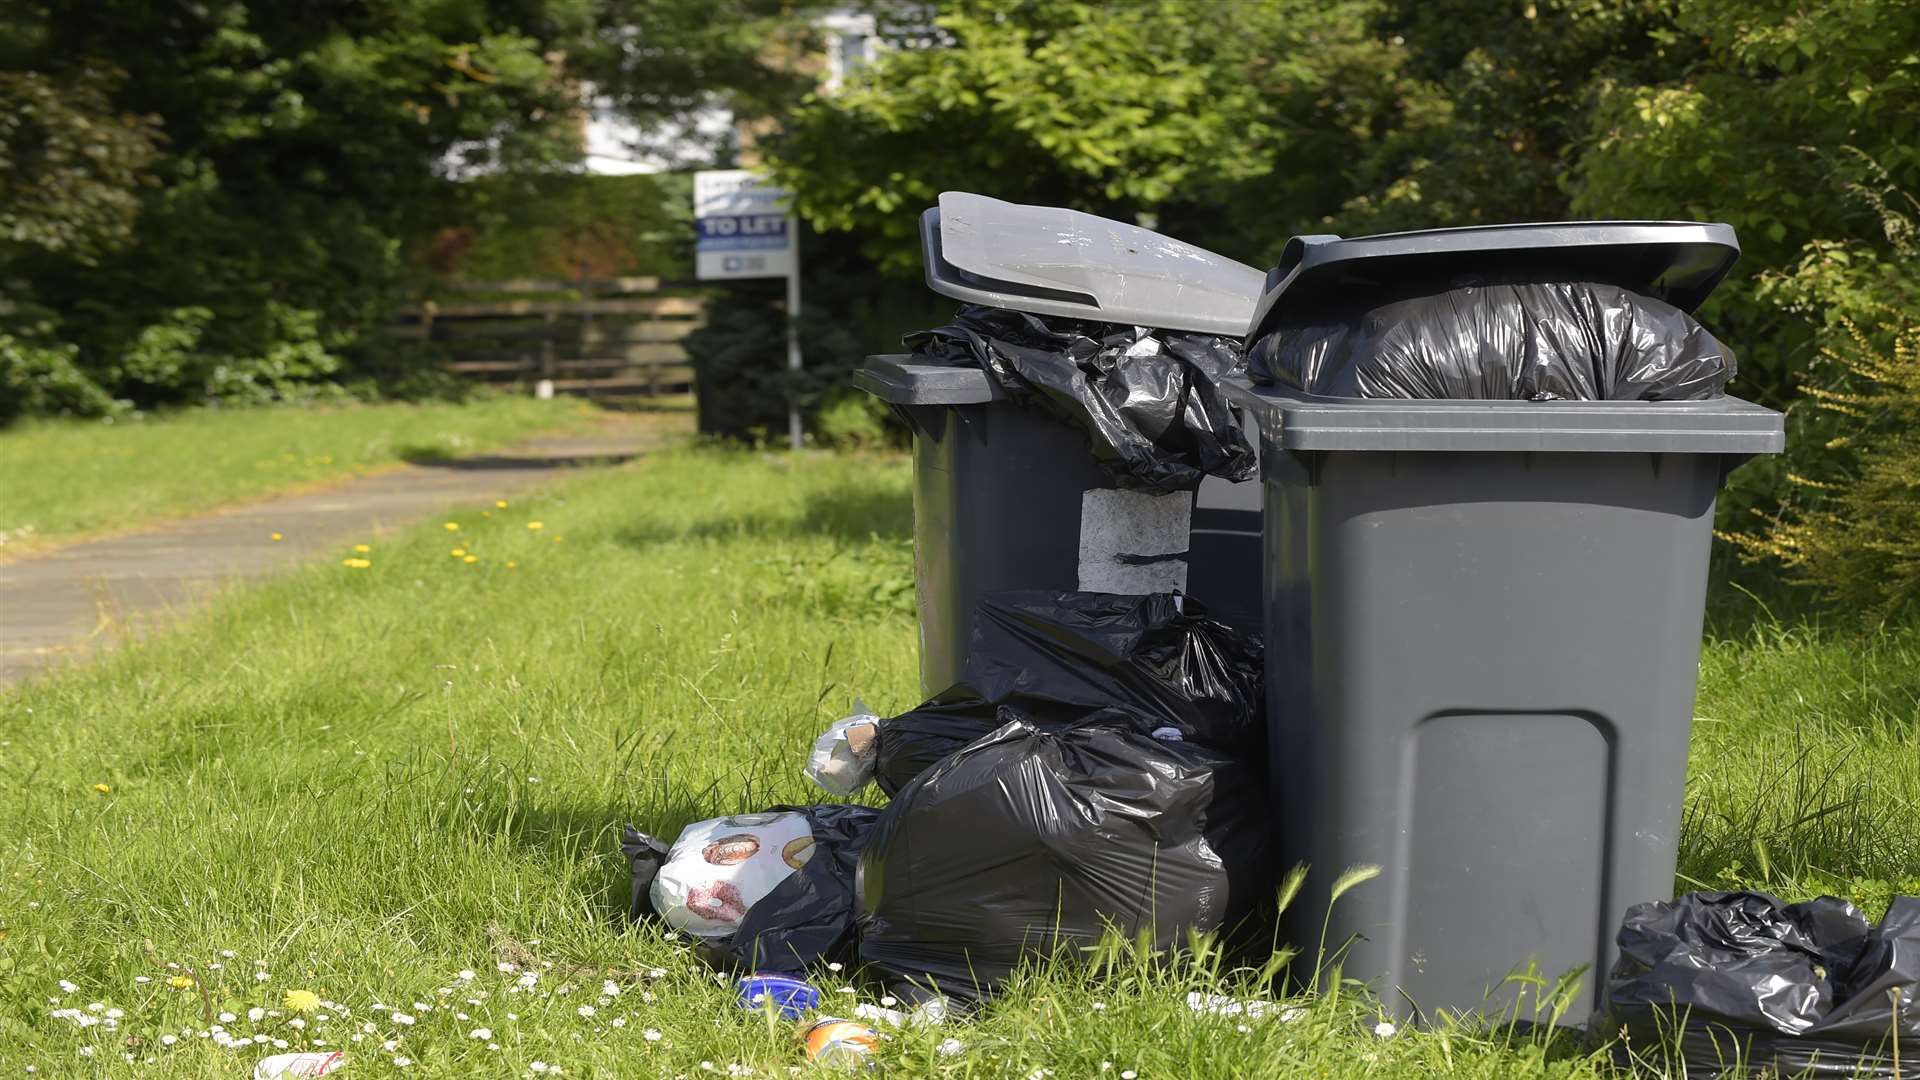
70 477
382 784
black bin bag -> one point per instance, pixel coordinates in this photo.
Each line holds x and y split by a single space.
1059 657
1150 401
1742 979
1030 843
1550 341
807 920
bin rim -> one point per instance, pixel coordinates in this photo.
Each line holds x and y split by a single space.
897 380
1293 420
1680 262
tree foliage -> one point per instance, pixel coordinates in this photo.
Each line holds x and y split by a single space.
244 173
71 163
1199 116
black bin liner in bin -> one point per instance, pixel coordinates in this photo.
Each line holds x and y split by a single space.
1058 657
1545 341
1798 989
1150 401
1030 843
806 920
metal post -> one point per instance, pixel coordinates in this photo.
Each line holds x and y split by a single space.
793 330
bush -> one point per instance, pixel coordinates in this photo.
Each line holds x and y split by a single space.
41 380
1850 523
168 361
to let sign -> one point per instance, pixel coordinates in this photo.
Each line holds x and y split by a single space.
744 228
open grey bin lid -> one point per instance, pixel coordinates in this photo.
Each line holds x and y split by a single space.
1292 420
1677 261
1051 261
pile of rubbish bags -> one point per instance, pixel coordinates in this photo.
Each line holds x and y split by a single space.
1099 766
1151 401
1527 341
1738 981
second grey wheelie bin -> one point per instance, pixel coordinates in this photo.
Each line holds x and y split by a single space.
1483 630
1009 497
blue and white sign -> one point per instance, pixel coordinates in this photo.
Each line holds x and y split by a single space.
745 230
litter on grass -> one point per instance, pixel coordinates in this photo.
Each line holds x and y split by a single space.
1029 843
299 1066
797 909
1745 984
843 757
842 1044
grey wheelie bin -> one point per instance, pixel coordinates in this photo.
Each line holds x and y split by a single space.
1007 497
1483 631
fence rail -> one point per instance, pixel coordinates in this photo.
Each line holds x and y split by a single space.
583 336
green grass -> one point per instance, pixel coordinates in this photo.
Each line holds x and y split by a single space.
68 477
363 782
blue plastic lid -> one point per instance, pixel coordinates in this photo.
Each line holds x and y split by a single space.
794 997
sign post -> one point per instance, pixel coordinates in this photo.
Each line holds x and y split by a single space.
747 231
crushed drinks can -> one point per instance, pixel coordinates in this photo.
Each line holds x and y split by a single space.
845 1044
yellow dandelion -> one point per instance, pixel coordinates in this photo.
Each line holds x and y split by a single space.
486 513
102 788
500 504
535 525
305 1001
180 982
453 526
277 538
356 564
457 552
471 559
511 565
362 548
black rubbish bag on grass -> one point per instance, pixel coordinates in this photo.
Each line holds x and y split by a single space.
1058 657
1551 341
1030 843
1749 984
805 921
1150 401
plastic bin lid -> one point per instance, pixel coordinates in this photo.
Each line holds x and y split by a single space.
1051 261
897 380
1292 420
1677 261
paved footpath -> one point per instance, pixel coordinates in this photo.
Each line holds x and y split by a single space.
62 603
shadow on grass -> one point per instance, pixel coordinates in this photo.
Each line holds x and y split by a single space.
438 458
1745 597
848 514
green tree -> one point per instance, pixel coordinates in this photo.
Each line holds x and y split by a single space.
71 164
1755 130
1505 94
1226 124
301 144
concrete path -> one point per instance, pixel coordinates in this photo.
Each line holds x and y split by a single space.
60 604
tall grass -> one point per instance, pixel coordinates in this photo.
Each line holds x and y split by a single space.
365 782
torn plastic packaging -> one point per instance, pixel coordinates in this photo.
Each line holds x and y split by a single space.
805 920
1751 985
1030 843
1543 341
842 758
1150 401
1058 657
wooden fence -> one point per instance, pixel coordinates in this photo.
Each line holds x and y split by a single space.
618 336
